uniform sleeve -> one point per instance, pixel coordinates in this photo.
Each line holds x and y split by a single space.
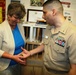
72 48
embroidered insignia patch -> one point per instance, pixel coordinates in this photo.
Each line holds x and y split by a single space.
60 41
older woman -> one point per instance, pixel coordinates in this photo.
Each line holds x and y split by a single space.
11 40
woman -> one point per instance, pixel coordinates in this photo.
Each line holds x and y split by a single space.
11 40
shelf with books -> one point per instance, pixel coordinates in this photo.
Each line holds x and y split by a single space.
34 32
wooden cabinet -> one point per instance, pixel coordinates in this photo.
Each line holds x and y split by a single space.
34 35
27 70
32 70
33 67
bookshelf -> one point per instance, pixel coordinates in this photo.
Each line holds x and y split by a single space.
33 31
34 34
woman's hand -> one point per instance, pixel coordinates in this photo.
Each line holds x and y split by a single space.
19 59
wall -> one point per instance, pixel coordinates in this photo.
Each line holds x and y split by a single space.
27 6
67 11
7 3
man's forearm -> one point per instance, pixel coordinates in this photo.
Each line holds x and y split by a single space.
37 50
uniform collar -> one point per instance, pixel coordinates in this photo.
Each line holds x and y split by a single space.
63 28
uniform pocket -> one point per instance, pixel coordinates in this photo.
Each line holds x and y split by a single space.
58 53
59 49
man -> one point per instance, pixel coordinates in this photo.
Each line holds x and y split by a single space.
59 42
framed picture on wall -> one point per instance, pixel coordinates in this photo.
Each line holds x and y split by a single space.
33 15
36 2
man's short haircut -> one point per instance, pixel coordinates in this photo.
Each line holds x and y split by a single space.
54 3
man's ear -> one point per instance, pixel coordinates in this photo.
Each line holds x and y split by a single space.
54 12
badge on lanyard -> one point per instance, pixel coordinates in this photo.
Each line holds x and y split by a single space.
60 41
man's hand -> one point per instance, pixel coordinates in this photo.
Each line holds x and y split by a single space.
25 53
